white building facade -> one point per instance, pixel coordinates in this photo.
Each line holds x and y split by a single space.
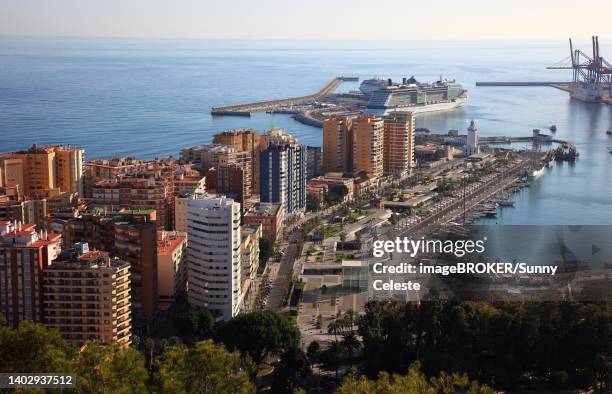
213 254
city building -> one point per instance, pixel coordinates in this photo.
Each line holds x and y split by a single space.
135 240
181 202
398 151
24 255
471 147
337 145
87 297
33 211
69 169
313 169
368 137
249 141
249 255
115 169
227 170
270 216
140 194
335 183
110 169
230 180
213 255
283 172
364 185
188 183
43 171
171 266
130 235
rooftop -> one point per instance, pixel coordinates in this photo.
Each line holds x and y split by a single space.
169 241
263 209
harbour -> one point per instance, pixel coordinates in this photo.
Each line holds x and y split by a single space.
186 120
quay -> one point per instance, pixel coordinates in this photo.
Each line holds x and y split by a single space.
558 85
271 105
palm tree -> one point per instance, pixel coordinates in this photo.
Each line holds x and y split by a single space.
349 319
351 344
335 329
330 358
343 238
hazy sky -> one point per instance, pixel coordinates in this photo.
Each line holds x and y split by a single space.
309 19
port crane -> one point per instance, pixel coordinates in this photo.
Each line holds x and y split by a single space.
590 72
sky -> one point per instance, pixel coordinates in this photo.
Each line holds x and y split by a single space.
309 19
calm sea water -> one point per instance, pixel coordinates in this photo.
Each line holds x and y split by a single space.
150 98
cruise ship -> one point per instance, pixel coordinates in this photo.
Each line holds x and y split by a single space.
369 86
412 96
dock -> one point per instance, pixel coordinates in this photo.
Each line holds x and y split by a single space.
521 83
271 105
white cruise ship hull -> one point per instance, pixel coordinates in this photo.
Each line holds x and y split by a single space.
417 109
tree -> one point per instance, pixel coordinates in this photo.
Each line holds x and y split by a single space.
33 348
313 352
266 248
414 382
259 334
330 357
351 344
207 368
342 236
191 323
313 203
336 194
111 368
293 366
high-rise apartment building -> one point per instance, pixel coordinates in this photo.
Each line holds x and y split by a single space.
135 236
130 235
249 256
87 297
283 172
337 145
69 169
110 169
213 254
220 164
368 137
398 151
138 194
245 140
270 216
171 266
313 169
24 255
43 171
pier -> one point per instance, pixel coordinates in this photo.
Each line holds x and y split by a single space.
271 105
522 84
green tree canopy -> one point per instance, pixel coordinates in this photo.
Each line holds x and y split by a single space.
259 334
414 382
266 248
110 368
207 368
33 348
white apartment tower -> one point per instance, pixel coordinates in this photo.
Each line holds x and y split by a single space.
213 254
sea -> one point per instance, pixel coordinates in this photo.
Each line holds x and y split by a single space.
150 98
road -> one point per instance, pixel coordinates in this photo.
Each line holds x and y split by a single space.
281 272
